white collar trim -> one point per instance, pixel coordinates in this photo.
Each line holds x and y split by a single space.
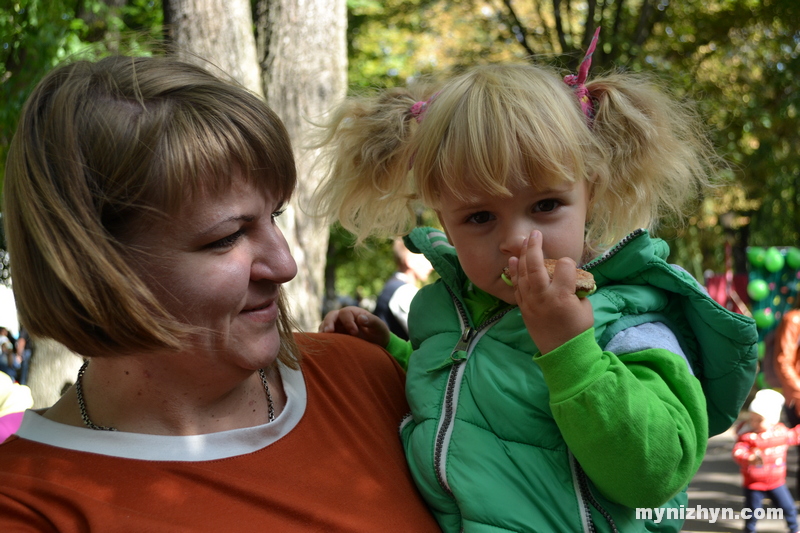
189 448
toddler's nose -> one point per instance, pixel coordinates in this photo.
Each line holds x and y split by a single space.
512 243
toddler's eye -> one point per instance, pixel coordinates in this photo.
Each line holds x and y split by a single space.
546 205
480 218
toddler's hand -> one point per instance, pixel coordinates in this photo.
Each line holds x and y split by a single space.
553 314
357 322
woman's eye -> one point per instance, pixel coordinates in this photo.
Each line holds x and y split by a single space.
546 205
227 241
277 213
480 218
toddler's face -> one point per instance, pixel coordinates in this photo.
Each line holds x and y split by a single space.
487 231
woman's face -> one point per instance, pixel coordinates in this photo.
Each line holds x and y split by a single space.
219 265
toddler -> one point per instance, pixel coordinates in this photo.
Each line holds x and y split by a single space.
532 408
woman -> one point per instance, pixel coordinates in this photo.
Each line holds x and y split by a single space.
140 204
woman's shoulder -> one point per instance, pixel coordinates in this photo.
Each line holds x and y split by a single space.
338 352
347 371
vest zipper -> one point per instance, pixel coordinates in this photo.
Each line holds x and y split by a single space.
614 250
458 356
588 498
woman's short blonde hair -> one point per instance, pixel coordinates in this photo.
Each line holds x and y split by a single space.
103 149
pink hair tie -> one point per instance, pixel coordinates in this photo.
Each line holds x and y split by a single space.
418 110
578 81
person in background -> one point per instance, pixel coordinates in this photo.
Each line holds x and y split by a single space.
760 452
14 400
786 361
8 355
394 301
536 406
141 204
24 354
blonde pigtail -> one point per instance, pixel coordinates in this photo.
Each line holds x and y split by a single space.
659 161
366 155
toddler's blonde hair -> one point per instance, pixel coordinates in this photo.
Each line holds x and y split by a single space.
496 127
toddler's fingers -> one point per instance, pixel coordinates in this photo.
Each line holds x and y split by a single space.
565 275
348 321
531 262
328 324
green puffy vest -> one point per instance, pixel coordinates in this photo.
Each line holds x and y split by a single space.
482 443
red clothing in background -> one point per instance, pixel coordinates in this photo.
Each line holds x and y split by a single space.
770 446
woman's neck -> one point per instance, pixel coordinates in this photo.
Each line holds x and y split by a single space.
135 395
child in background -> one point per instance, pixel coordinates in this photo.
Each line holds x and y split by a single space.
760 451
533 409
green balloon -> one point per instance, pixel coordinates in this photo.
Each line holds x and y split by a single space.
773 260
793 257
762 348
764 318
758 289
756 254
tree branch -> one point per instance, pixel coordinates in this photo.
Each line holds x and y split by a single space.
644 23
588 32
522 36
562 41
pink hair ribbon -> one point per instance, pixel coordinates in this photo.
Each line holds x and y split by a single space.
578 82
419 108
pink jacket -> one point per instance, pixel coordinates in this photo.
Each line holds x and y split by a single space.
769 447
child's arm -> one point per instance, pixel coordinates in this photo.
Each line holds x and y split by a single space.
636 422
360 323
742 453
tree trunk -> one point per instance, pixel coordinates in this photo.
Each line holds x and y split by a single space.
216 31
303 52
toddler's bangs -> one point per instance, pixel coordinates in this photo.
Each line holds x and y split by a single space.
498 129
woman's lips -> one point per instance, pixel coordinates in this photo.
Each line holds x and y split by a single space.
263 312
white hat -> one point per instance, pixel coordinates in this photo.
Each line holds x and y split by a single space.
768 403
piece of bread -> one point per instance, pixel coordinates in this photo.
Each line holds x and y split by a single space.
584 285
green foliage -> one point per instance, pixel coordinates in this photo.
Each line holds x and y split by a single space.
36 35
359 272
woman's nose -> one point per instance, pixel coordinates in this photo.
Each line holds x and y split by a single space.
273 260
